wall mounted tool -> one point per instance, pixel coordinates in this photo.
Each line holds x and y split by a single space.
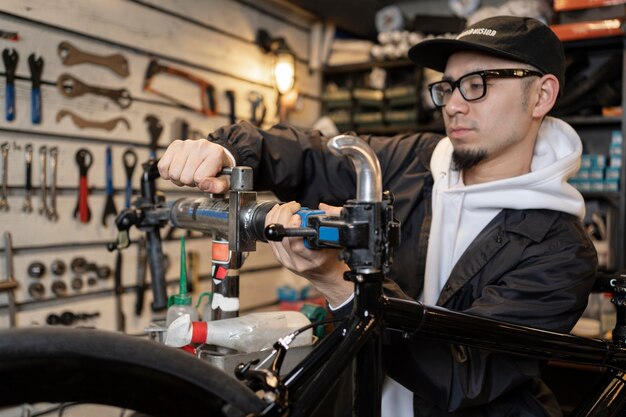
71 55
9 284
10 58
130 161
257 108
43 180
155 128
84 159
72 87
232 117
84 123
4 202
109 205
27 207
10 36
207 90
53 215
36 69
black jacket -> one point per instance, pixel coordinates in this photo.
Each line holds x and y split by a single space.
532 267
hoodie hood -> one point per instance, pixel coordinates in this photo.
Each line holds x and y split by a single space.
556 158
461 212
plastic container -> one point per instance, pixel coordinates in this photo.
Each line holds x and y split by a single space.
181 303
251 333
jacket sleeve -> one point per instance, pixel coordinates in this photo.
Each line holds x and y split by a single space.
296 165
547 289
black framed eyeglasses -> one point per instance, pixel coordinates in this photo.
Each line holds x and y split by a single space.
473 86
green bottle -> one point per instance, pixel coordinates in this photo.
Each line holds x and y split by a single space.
180 304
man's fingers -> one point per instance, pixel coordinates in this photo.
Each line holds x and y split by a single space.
165 162
330 210
216 185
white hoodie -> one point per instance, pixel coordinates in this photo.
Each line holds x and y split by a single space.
460 212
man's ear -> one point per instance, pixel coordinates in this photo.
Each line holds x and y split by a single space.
548 93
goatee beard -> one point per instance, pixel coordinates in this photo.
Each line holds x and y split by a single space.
462 160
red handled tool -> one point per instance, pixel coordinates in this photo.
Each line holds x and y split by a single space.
84 159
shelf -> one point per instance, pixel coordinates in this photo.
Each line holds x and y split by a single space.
591 120
364 66
611 197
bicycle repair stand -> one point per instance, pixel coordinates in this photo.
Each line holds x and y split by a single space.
617 287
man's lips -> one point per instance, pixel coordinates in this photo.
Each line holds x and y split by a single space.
458 132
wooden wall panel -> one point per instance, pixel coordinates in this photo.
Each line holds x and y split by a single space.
214 40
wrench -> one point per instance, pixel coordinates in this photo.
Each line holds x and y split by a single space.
52 210
43 180
28 156
84 159
71 55
130 161
4 203
109 205
72 87
83 123
36 68
155 128
10 58
9 284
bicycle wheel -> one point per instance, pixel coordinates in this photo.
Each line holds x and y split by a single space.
99 367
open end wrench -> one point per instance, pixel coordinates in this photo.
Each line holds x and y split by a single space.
84 159
36 68
83 123
71 87
10 58
71 55
4 203
109 205
155 128
9 284
52 209
130 162
43 180
28 157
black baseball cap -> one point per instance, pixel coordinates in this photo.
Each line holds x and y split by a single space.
522 39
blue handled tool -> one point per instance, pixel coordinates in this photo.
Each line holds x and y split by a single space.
325 234
10 58
109 205
36 69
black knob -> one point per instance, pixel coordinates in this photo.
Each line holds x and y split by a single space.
58 267
76 283
275 232
103 272
36 269
59 288
78 265
36 290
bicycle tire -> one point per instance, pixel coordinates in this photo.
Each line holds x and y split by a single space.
100 367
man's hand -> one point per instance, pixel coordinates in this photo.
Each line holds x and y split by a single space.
195 163
322 267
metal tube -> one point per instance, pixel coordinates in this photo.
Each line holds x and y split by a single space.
201 214
369 185
454 327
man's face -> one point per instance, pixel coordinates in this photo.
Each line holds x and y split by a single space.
494 127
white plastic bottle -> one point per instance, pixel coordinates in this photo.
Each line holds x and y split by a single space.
181 302
249 333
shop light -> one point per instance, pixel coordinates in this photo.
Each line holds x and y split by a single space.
283 61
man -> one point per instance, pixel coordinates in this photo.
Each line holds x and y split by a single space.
489 224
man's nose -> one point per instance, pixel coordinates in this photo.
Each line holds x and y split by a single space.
456 103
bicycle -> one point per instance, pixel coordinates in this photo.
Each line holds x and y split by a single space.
135 373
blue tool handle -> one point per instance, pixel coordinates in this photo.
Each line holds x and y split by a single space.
35 105
10 102
109 171
128 194
304 214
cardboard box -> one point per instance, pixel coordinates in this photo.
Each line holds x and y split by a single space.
589 30
561 5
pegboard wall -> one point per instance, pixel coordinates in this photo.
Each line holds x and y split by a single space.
213 41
